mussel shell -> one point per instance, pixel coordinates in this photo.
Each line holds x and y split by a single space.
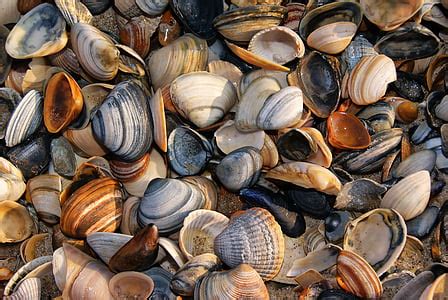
433 100
309 201
123 123
319 79
32 156
63 157
198 15
411 41
334 294
292 223
97 7
5 59
423 224
188 151
360 195
380 115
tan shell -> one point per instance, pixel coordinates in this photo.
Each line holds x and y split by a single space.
92 282
229 138
307 175
369 79
199 231
437 290
129 224
158 117
332 38
410 196
12 183
9 12
29 249
255 238
44 191
269 153
225 69
323 156
84 142
15 222
74 11
131 285
319 260
242 282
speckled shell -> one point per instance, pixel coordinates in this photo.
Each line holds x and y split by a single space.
96 206
356 276
123 122
242 282
9 99
255 238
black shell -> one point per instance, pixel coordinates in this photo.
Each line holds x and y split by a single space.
5 59
409 86
432 101
423 224
334 294
335 225
9 99
296 145
310 201
97 7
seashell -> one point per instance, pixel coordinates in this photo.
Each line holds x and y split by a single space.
423 224
395 281
225 69
242 282
15 77
129 224
335 225
29 288
369 79
306 175
132 285
168 215
5 60
152 7
63 102
158 116
208 188
188 151
137 33
410 196
356 276
269 153
139 253
358 48
106 244
29 247
255 238
397 44
309 201
266 44
67 60
92 282
63 157
240 168
45 33
169 28
361 195
371 159
244 3
318 260
362 237
96 52
135 176
128 8
198 16
97 7
438 289
84 142
9 99
323 155
186 54
295 14
228 138
162 279
409 86
336 294
345 131
74 11
12 183
200 225
389 15
436 104
32 156
322 90
415 287
16 222
9 12
419 161
123 123
184 281
44 191
296 145
313 240
250 77
331 27
130 62
202 109
291 223
96 206
380 115
241 24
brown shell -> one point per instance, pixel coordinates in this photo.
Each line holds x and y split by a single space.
345 131
137 34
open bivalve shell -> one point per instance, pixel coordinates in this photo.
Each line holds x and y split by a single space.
16 223
378 236
12 183
131 285
252 237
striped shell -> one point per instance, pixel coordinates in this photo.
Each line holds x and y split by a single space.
96 206
74 11
152 7
356 276
44 191
255 238
29 289
137 34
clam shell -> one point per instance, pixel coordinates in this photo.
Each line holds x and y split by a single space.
240 168
123 122
208 187
96 206
84 142
242 282
92 282
152 7
357 49
9 12
335 225
378 236
332 38
44 191
360 195
228 138
410 196
255 238
16 223
39 33
313 240
318 260
422 225
128 8
137 33
29 288
168 215
133 285
106 244
67 60
200 225
415 287
369 79
381 115
63 157
12 183
30 249
74 11
129 224
279 44
346 131
186 54
25 120
419 161
250 77
438 289
158 116
161 280
203 109
306 175
96 52
241 24
9 99
323 155
225 69
135 176
5 59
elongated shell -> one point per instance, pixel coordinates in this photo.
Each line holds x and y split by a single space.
242 282
356 276
203 109
123 122
186 54
96 52
96 206
39 33
25 119
255 238
409 196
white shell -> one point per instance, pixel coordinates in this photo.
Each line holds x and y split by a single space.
332 38
228 138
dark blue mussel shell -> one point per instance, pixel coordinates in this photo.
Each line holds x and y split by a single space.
316 204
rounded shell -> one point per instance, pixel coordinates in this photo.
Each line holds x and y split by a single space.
131 285
255 238
15 222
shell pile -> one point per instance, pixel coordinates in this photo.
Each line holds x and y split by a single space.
223 149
